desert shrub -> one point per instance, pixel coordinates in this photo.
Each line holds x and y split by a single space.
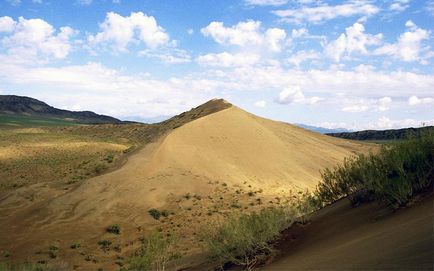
115 229
155 213
75 245
155 253
392 175
104 245
165 213
245 239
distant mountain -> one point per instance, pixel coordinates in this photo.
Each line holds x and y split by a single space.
384 134
322 130
26 106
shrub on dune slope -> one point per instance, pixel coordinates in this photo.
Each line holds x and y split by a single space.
393 175
245 239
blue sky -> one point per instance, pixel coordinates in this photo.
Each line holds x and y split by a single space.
356 64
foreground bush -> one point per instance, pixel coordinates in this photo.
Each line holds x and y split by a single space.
245 239
393 175
155 253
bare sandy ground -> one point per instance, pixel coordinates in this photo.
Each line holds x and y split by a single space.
364 238
231 148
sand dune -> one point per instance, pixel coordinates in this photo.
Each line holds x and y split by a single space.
230 146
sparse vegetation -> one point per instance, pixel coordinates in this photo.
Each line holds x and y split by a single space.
156 214
105 245
245 239
115 229
33 267
393 175
155 253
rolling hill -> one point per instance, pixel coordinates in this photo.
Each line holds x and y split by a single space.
198 165
20 109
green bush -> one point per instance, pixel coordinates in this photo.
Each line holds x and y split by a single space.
155 213
115 229
155 253
392 175
245 239
105 245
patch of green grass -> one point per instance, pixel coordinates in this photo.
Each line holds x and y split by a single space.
33 121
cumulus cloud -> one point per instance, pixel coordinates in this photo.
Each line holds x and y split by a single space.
354 40
228 60
384 103
7 24
302 56
168 55
294 95
414 100
261 104
119 32
409 45
245 34
324 12
265 2
29 39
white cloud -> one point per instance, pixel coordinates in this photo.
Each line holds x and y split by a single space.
228 60
119 32
297 33
430 7
294 95
381 123
265 2
355 108
384 103
84 2
171 55
409 45
7 24
244 34
190 31
14 2
261 104
323 12
302 56
414 100
37 1
33 38
399 5
353 40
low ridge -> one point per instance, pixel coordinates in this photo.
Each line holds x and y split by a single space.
21 105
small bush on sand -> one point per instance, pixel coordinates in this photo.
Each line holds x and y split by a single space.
155 213
105 245
155 253
245 239
115 229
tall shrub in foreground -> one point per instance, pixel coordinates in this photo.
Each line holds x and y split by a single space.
156 252
392 175
244 239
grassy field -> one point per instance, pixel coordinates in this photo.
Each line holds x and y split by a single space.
32 121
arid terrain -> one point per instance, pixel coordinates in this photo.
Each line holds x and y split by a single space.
221 160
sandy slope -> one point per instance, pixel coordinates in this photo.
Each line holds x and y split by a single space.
230 146
364 238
